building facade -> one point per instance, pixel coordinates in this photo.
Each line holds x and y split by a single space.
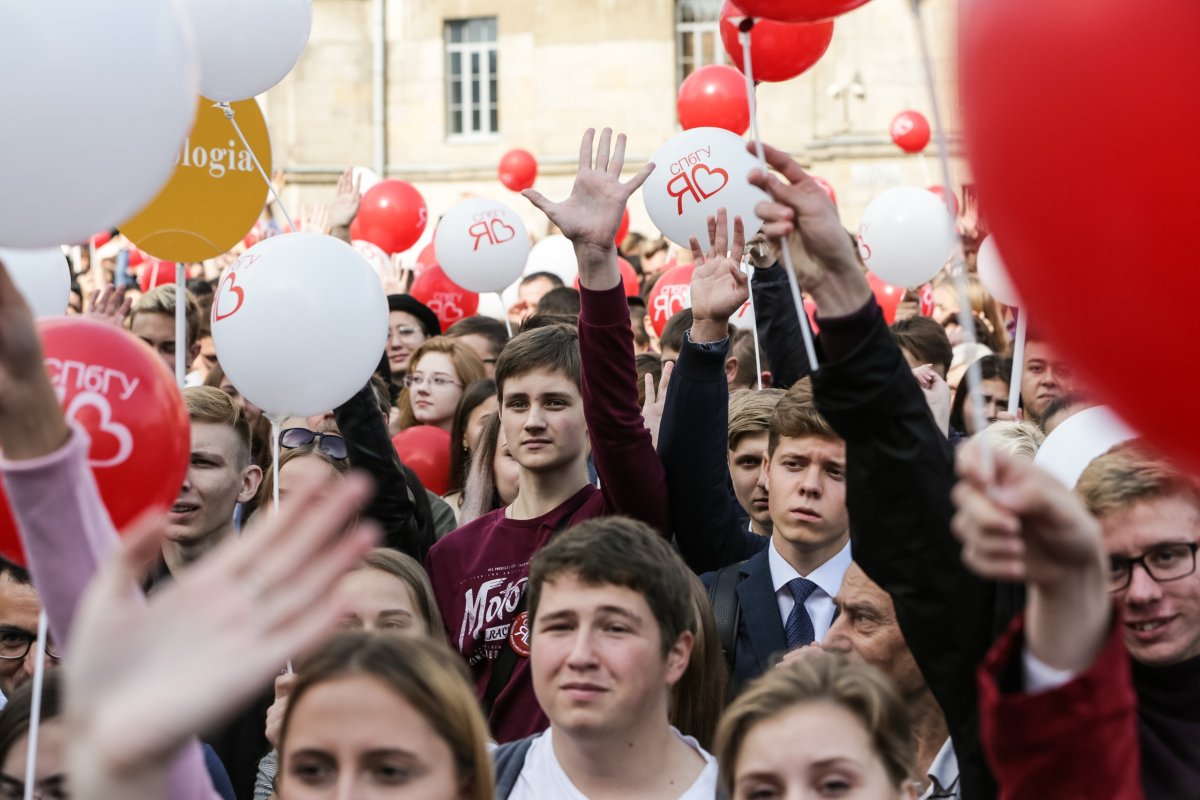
436 91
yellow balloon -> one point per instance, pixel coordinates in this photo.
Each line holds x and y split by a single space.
215 195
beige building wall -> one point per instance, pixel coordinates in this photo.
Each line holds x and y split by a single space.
565 65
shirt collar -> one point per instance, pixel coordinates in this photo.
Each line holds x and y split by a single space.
943 772
828 576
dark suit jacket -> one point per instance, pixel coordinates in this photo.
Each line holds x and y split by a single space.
760 630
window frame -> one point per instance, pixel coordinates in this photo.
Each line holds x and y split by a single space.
487 50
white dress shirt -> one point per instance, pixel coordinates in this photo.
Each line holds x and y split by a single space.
819 605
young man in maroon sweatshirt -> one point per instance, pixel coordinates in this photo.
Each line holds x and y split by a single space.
558 389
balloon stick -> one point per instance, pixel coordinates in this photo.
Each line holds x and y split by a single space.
276 419
35 710
507 321
270 186
959 269
1018 362
747 68
181 342
757 357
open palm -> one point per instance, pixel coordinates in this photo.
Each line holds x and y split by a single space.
719 287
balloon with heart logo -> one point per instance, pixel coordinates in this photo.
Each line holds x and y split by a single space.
629 278
481 245
391 216
696 173
120 394
299 323
910 131
672 293
906 235
449 301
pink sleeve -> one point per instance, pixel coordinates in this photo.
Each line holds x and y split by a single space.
67 534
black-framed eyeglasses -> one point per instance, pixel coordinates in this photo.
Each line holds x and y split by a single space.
1164 563
329 443
15 644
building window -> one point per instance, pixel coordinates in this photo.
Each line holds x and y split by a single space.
697 36
472 99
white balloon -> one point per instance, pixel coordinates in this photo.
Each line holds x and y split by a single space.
378 260
994 275
247 46
906 236
366 178
1078 440
695 173
556 255
73 160
481 245
491 305
44 278
744 317
299 323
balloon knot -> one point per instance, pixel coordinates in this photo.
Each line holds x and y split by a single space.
746 24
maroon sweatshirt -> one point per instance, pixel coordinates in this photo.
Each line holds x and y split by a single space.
479 571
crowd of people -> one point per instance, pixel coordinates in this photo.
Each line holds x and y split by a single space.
677 566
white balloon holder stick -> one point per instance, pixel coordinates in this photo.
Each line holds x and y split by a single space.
958 270
754 328
229 115
181 343
275 420
747 68
1018 362
35 709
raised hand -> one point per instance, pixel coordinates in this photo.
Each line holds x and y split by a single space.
937 395
31 420
1023 525
591 214
719 287
656 402
344 208
801 217
109 306
145 677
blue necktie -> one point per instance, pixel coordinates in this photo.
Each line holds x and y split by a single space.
799 627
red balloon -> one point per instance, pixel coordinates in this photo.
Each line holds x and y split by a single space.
779 50
629 278
910 131
518 169
119 391
391 216
449 301
798 10
100 239
156 273
714 97
427 257
826 187
135 257
1033 78
946 197
623 231
425 449
887 296
672 294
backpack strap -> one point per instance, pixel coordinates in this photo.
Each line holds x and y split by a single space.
509 760
727 610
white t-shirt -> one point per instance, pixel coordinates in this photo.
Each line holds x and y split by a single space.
543 778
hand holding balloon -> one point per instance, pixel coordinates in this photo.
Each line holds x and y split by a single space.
801 215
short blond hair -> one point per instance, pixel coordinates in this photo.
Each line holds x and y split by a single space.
750 412
210 405
860 689
162 301
1128 474
1014 437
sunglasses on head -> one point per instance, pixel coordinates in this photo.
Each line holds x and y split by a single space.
329 443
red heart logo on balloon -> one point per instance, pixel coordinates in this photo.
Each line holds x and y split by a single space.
499 225
107 425
707 193
228 285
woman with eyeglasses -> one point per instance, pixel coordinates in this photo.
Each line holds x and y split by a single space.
410 323
438 371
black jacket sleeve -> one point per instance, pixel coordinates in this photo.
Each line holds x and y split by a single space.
370 449
778 326
900 470
711 528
